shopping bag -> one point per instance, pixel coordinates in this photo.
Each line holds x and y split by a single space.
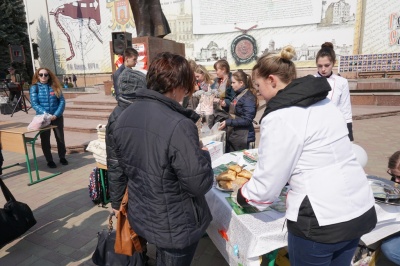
15 218
40 121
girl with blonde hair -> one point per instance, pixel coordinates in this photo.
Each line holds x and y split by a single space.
329 195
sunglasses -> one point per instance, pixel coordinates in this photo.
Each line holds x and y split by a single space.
392 175
41 75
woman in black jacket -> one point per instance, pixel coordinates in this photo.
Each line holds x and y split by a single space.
242 111
158 148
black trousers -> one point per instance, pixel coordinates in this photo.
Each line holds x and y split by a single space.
59 134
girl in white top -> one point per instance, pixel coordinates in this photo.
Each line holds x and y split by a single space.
340 93
304 142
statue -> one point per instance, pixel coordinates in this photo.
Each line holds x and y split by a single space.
149 18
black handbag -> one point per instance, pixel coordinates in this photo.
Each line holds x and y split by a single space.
104 255
15 218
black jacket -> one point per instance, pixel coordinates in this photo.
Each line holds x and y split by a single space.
116 178
245 111
158 148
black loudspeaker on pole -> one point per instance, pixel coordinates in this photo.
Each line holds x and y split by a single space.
120 41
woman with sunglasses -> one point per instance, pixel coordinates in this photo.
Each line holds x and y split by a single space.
46 97
390 246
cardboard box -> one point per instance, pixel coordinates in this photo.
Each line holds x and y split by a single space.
215 148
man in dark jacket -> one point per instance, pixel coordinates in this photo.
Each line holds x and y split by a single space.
130 60
130 81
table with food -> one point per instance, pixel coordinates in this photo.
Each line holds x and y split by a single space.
245 235
242 235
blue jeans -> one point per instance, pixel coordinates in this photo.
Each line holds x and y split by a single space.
391 248
175 257
303 252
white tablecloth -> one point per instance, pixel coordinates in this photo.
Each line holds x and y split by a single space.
254 234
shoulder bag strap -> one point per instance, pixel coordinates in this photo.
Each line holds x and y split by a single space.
6 192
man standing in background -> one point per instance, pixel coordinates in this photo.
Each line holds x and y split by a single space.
14 88
130 59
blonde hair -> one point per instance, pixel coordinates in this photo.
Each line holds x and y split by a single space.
279 64
202 70
53 82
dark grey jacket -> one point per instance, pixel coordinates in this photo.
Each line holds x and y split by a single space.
157 146
116 178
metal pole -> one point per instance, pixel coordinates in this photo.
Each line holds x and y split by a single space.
83 58
29 36
51 39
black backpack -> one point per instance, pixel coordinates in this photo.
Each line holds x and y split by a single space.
96 192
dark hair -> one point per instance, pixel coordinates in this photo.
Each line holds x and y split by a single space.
394 161
130 52
170 71
242 76
222 63
279 64
326 50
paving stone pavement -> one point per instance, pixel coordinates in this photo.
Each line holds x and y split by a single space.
67 220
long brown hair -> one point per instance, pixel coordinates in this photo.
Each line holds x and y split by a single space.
242 76
53 82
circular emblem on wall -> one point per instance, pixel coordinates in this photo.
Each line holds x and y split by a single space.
244 49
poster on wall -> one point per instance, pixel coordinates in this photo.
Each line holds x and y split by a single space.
331 21
381 27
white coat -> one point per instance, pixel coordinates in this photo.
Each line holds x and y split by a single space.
340 95
309 148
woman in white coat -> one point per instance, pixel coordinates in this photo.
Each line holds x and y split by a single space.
330 204
340 93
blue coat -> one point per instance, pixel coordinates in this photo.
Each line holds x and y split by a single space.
245 111
44 100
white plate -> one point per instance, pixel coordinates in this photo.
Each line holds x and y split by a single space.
222 189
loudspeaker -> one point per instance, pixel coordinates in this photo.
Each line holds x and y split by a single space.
120 41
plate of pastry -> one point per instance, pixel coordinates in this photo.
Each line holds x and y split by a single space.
234 177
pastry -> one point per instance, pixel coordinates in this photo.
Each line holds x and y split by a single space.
225 184
239 181
244 173
236 168
226 176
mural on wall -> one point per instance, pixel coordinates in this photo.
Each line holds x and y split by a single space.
122 17
78 37
332 21
83 31
381 31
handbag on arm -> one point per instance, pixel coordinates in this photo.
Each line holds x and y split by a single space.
15 218
127 241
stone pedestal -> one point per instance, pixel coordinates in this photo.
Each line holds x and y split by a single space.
148 47
153 46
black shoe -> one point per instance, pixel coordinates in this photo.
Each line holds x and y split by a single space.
63 161
51 164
